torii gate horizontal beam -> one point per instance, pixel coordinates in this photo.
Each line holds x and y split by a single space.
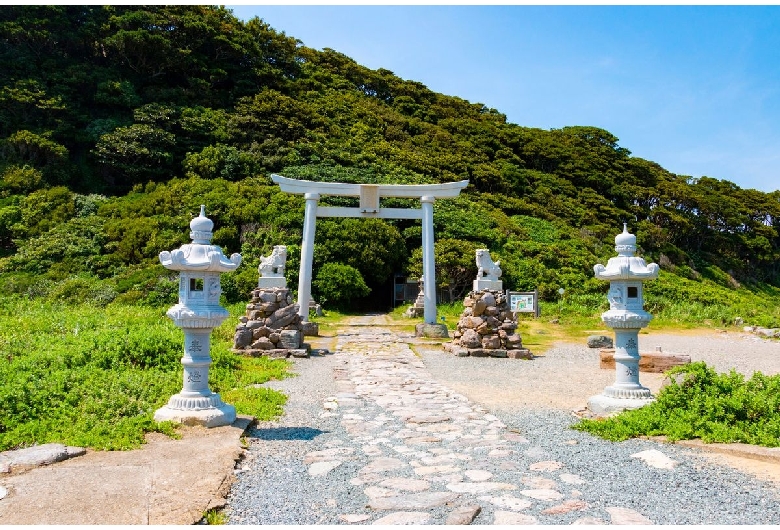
380 213
415 191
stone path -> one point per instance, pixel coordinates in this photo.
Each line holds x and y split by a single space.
447 448
420 453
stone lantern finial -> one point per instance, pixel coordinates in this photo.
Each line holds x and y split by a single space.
200 228
625 243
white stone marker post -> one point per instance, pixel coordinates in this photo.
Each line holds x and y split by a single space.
626 316
198 312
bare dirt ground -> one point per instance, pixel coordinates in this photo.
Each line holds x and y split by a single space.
568 374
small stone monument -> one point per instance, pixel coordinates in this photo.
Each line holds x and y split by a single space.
198 312
417 309
625 274
271 268
488 272
272 326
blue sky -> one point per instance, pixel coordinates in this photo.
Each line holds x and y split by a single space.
693 88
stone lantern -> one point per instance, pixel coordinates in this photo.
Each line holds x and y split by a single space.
625 274
198 312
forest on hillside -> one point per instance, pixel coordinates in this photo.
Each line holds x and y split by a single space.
118 122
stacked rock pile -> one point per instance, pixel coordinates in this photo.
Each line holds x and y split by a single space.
272 326
487 328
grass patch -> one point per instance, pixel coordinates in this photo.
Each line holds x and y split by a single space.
215 516
701 403
328 321
93 377
262 403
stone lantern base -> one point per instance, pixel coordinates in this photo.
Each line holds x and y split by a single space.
204 411
602 405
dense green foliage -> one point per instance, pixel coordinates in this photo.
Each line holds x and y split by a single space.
117 122
90 378
701 403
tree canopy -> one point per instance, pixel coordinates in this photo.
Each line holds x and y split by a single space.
116 122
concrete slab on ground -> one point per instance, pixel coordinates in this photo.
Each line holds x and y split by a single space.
166 481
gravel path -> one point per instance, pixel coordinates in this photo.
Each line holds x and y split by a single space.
381 433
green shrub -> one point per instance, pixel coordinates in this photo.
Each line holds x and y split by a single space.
337 284
701 403
85 289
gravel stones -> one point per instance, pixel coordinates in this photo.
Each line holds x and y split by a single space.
516 466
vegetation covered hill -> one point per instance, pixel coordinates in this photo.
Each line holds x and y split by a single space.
117 122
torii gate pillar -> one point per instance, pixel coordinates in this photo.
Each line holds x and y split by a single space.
369 208
429 261
307 254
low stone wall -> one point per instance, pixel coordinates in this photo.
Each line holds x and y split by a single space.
272 326
487 328
768 333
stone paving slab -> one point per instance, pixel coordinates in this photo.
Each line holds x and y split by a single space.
166 481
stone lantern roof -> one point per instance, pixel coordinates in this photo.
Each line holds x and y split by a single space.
626 266
200 255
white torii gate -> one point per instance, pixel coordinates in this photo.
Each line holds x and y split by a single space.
369 208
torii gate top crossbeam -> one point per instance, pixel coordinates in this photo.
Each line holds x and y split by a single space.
301 187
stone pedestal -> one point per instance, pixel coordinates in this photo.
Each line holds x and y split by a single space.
602 405
484 284
487 328
272 326
431 331
271 282
214 413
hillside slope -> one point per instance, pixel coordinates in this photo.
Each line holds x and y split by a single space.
117 122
